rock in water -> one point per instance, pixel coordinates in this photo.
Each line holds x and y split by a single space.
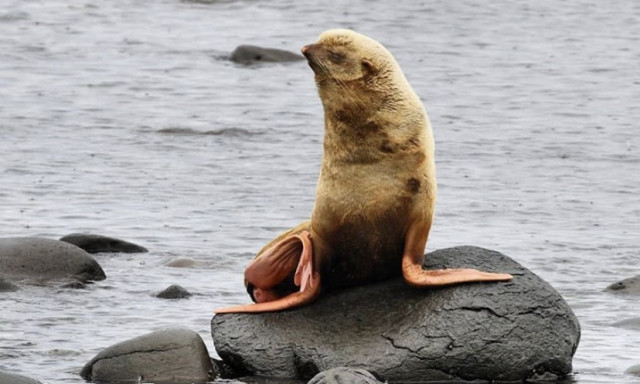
98 243
634 370
39 259
344 375
175 355
628 286
174 291
481 331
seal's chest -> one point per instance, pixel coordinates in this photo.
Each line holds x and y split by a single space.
366 249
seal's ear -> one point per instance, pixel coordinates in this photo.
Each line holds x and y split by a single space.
368 67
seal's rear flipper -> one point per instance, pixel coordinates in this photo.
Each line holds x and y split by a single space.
293 300
269 271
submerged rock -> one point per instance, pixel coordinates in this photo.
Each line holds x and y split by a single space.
182 262
12 378
633 324
343 375
633 370
175 355
480 331
250 54
98 243
630 286
39 259
174 292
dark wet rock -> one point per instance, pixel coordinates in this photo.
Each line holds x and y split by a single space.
39 259
175 355
344 375
174 292
7 286
251 54
630 286
482 331
225 371
182 262
12 378
98 243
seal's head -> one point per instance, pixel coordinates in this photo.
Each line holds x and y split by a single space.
351 68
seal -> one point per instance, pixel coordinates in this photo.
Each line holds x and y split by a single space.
376 191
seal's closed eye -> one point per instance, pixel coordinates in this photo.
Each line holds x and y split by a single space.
336 58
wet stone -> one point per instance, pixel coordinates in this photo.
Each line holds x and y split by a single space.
36 259
174 292
343 375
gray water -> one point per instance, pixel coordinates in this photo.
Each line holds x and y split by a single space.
124 118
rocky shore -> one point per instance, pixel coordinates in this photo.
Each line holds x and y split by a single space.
388 332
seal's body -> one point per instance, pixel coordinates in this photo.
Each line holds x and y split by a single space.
376 191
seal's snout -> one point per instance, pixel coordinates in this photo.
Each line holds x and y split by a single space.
305 50
311 50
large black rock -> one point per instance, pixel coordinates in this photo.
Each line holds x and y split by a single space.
38 259
482 331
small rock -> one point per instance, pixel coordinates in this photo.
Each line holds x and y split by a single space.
12 378
98 243
344 375
175 355
251 54
174 292
38 259
628 286
634 370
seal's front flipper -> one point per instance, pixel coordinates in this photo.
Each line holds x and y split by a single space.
415 276
281 277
